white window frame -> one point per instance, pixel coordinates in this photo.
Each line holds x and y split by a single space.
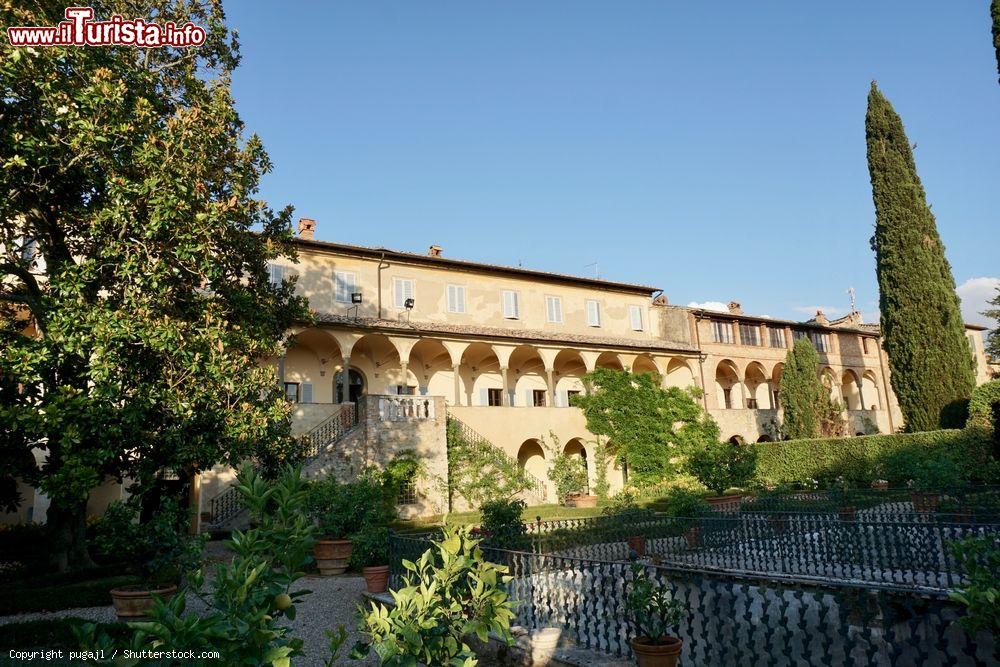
635 318
509 297
593 313
402 289
722 326
553 310
456 298
276 273
341 281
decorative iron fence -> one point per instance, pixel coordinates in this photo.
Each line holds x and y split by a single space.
735 618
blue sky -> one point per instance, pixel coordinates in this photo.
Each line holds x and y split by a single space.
715 150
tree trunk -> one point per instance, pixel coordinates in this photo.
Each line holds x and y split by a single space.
67 524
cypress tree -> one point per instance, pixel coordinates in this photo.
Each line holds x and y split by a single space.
995 13
801 391
932 366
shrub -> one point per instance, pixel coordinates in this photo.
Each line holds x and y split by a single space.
928 474
601 459
341 510
94 592
979 559
371 547
569 474
503 525
451 592
651 606
721 465
681 502
857 459
981 403
55 633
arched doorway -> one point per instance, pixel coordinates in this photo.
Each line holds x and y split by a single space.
575 448
355 386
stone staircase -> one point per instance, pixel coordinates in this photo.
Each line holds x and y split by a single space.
536 491
226 508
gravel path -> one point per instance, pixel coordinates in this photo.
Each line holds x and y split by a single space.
333 602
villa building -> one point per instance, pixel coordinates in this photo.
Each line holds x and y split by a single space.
403 341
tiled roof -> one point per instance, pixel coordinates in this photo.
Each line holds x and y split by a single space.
527 335
375 253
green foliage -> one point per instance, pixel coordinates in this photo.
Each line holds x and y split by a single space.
403 469
979 560
995 14
137 181
55 633
863 459
993 338
94 591
568 471
341 510
682 502
941 474
371 547
922 328
651 428
625 504
601 460
250 597
801 391
478 471
981 404
450 593
651 606
503 524
161 549
722 465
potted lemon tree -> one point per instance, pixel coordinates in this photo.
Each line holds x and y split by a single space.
720 466
340 511
655 613
371 556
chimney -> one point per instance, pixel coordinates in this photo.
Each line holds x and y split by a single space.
307 227
735 308
820 318
434 251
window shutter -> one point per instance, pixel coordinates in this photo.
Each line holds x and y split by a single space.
511 394
307 392
393 389
635 313
343 286
277 273
423 390
529 399
461 299
397 292
593 313
484 397
562 399
510 304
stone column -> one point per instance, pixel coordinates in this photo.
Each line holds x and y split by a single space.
505 398
551 401
345 375
405 380
455 368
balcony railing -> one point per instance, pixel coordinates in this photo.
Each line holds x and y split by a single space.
404 408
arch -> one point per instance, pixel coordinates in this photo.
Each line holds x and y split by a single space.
679 374
764 438
310 362
755 380
829 380
870 391
528 377
479 373
576 447
644 363
728 394
776 373
376 357
609 360
850 390
356 385
430 363
531 458
736 439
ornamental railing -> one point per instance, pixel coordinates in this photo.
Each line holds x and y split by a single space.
733 618
393 408
490 453
229 503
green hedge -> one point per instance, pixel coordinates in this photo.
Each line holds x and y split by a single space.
865 458
981 404
16 599
54 633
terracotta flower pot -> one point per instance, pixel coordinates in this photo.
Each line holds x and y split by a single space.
693 536
730 503
959 515
846 513
331 556
664 653
136 601
376 578
637 543
925 502
581 501
880 486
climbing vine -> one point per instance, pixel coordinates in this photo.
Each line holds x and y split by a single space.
478 471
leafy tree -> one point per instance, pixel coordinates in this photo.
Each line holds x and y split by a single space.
995 13
922 326
648 427
135 299
801 391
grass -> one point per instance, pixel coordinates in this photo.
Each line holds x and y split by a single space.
548 512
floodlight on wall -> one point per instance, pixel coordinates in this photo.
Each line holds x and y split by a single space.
408 304
356 300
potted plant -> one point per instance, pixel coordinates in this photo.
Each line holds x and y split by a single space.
370 554
654 612
340 511
569 474
625 506
160 549
581 500
688 507
721 466
929 479
839 494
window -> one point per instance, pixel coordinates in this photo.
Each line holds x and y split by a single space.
345 283
292 391
723 332
403 390
593 313
752 403
408 492
750 334
402 289
494 397
777 335
508 298
864 345
29 250
538 398
553 309
820 341
796 334
569 397
276 272
635 317
456 298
